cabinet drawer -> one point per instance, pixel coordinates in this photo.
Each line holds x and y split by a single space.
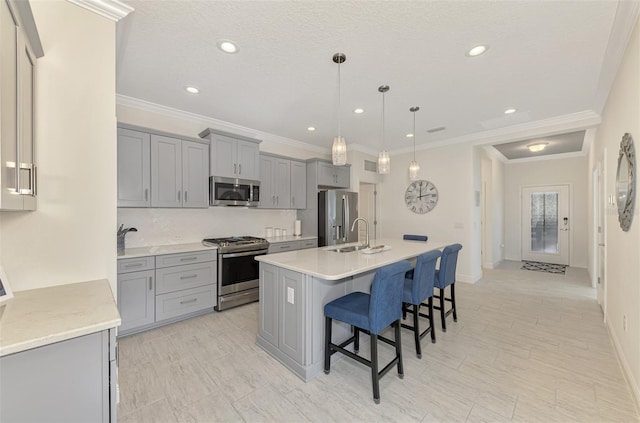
283 246
175 278
176 304
308 243
185 258
136 264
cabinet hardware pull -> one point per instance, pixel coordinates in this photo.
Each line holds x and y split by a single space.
146 194
185 196
188 258
293 200
133 265
273 200
150 283
178 196
284 247
193 300
188 277
235 168
240 169
277 199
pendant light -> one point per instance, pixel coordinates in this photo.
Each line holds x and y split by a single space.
414 167
339 148
384 163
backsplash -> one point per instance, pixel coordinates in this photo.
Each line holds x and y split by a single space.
180 226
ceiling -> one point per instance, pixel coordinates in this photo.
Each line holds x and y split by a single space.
557 144
545 59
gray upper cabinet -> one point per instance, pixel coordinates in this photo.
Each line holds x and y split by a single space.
333 176
298 185
134 168
19 48
159 170
233 156
195 174
282 181
166 172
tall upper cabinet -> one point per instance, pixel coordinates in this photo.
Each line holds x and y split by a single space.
20 47
233 156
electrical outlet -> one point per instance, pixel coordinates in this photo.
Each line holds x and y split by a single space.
624 322
290 294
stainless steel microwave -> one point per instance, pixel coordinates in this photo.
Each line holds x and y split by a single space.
233 192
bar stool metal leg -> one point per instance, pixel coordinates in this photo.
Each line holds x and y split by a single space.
399 349
327 345
453 301
416 330
375 378
442 316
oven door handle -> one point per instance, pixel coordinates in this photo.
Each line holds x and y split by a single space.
248 253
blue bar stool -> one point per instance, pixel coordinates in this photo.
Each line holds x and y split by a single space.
417 289
446 276
409 237
370 313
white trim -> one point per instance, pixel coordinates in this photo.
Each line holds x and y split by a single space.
110 9
468 278
221 125
548 157
624 365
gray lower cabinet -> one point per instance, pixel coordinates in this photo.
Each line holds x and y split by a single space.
280 247
68 381
282 311
157 290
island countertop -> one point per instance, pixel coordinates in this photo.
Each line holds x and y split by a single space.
42 316
330 265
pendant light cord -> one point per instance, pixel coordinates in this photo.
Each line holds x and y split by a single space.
414 136
383 128
339 95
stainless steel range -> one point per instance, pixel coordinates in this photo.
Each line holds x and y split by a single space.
238 272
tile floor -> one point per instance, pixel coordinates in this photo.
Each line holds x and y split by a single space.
527 347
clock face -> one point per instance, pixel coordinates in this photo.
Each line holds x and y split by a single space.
421 196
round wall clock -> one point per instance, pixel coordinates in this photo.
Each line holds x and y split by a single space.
626 182
421 196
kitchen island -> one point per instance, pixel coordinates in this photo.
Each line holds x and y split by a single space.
295 286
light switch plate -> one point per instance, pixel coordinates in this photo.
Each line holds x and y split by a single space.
290 293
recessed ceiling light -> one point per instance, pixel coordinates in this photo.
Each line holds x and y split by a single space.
477 50
509 111
192 90
409 135
539 146
228 46
358 111
311 129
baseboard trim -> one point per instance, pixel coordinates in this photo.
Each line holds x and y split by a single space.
492 265
468 278
624 365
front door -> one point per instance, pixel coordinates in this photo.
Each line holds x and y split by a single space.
545 224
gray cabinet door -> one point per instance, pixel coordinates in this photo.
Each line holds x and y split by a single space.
223 156
269 303
343 176
134 168
166 171
290 340
248 159
8 110
66 381
282 183
195 174
136 299
267 187
326 175
298 185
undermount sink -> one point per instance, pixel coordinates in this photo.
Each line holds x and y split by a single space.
348 249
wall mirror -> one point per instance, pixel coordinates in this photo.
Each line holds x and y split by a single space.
626 182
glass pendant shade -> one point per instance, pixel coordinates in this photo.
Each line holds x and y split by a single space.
339 151
384 162
414 168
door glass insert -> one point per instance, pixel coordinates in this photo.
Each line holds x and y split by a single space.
544 222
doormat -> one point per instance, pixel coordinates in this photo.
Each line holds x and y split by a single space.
538 266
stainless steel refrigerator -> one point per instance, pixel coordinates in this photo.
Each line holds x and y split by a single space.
337 210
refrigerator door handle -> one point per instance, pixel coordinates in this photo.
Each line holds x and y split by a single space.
346 221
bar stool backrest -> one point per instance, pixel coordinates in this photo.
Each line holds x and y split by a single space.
385 306
448 263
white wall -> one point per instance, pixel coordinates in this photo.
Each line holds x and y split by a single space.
621 115
176 226
454 219
71 237
571 171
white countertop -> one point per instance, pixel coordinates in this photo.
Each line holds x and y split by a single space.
330 265
158 250
39 317
288 238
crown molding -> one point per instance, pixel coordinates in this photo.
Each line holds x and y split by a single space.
110 9
221 125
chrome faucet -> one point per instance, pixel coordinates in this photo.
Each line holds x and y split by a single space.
366 226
